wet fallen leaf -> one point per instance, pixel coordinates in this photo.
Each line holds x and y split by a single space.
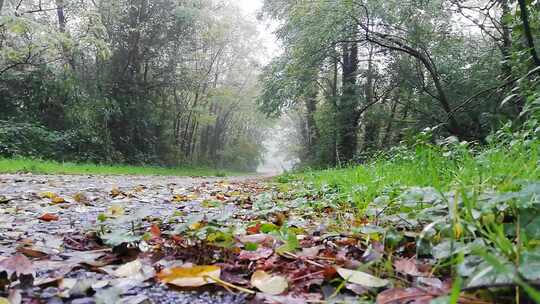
57 200
49 217
115 211
155 231
261 253
49 195
15 296
400 295
410 267
361 278
128 269
116 192
195 276
180 198
31 251
17 266
80 197
273 285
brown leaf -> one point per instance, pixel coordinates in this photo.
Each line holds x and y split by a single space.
410 267
31 251
49 217
80 197
261 253
399 295
18 265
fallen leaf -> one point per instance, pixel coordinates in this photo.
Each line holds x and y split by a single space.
261 253
17 265
15 296
128 269
80 197
49 217
57 200
31 251
254 229
255 238
410 267
115 211
155 231
195 276
49 195
401 295
115 192
273 285
361 278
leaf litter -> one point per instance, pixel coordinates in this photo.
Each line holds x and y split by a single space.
83 239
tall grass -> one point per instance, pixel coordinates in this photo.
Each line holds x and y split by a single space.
18 165
433 166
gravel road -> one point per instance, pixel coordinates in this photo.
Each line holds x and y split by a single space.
23 201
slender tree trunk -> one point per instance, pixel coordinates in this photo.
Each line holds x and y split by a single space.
312 130
527 31
61 16
348 104
387 140
506 47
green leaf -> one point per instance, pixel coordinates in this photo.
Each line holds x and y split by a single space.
529 266
251 246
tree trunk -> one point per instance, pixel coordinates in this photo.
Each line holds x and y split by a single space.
61 16
311 124
527 32
348 115
387 140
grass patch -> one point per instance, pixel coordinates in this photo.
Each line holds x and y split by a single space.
25 165
432 166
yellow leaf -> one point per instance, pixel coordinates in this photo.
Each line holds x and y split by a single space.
57 200
180 198
196 226
195 276
80 197
269 284
49 195
115 211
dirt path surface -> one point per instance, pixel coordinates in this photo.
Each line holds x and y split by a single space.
50 221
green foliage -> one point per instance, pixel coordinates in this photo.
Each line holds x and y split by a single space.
23 165
150 83
474 212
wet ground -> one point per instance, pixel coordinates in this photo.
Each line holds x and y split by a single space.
74 203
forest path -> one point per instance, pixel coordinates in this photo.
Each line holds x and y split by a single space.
48 219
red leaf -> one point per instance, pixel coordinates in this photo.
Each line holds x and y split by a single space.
48 217
155 231
254 229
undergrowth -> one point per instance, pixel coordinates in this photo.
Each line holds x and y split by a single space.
472 213
27 165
